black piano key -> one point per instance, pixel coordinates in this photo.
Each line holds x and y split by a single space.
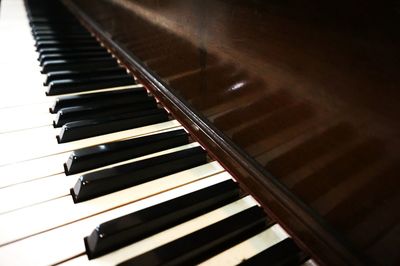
58 87
108 153
61 25
90 128
124 96
51 33
69 43
71 74
46 19
93 111
64 41
116 178
52 18
284 253
52 21
71 47
55 27
54 57
58 28
66 50
74 64
130 228
62 36
207 242
70 23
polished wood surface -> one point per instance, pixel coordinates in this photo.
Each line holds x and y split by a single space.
309 91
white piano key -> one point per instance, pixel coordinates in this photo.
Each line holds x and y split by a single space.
249 247
40 142
31 193
18 79
25 117
47 215
25 171
166 236
56 186
33 169
67 241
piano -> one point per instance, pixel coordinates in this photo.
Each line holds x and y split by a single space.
199 132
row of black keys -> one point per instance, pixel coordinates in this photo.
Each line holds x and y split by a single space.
92 114
66 53
198 246
74 61
119 177
88 115
70 56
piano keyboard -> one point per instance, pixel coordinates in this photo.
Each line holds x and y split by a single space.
95 172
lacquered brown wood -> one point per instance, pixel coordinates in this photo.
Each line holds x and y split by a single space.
304 94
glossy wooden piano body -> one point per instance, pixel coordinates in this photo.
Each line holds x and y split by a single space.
298 100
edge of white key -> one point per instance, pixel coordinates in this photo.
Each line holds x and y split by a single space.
24 117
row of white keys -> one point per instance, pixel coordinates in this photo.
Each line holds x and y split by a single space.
19 67
42 167
40 142
55 186
66 241
38 218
